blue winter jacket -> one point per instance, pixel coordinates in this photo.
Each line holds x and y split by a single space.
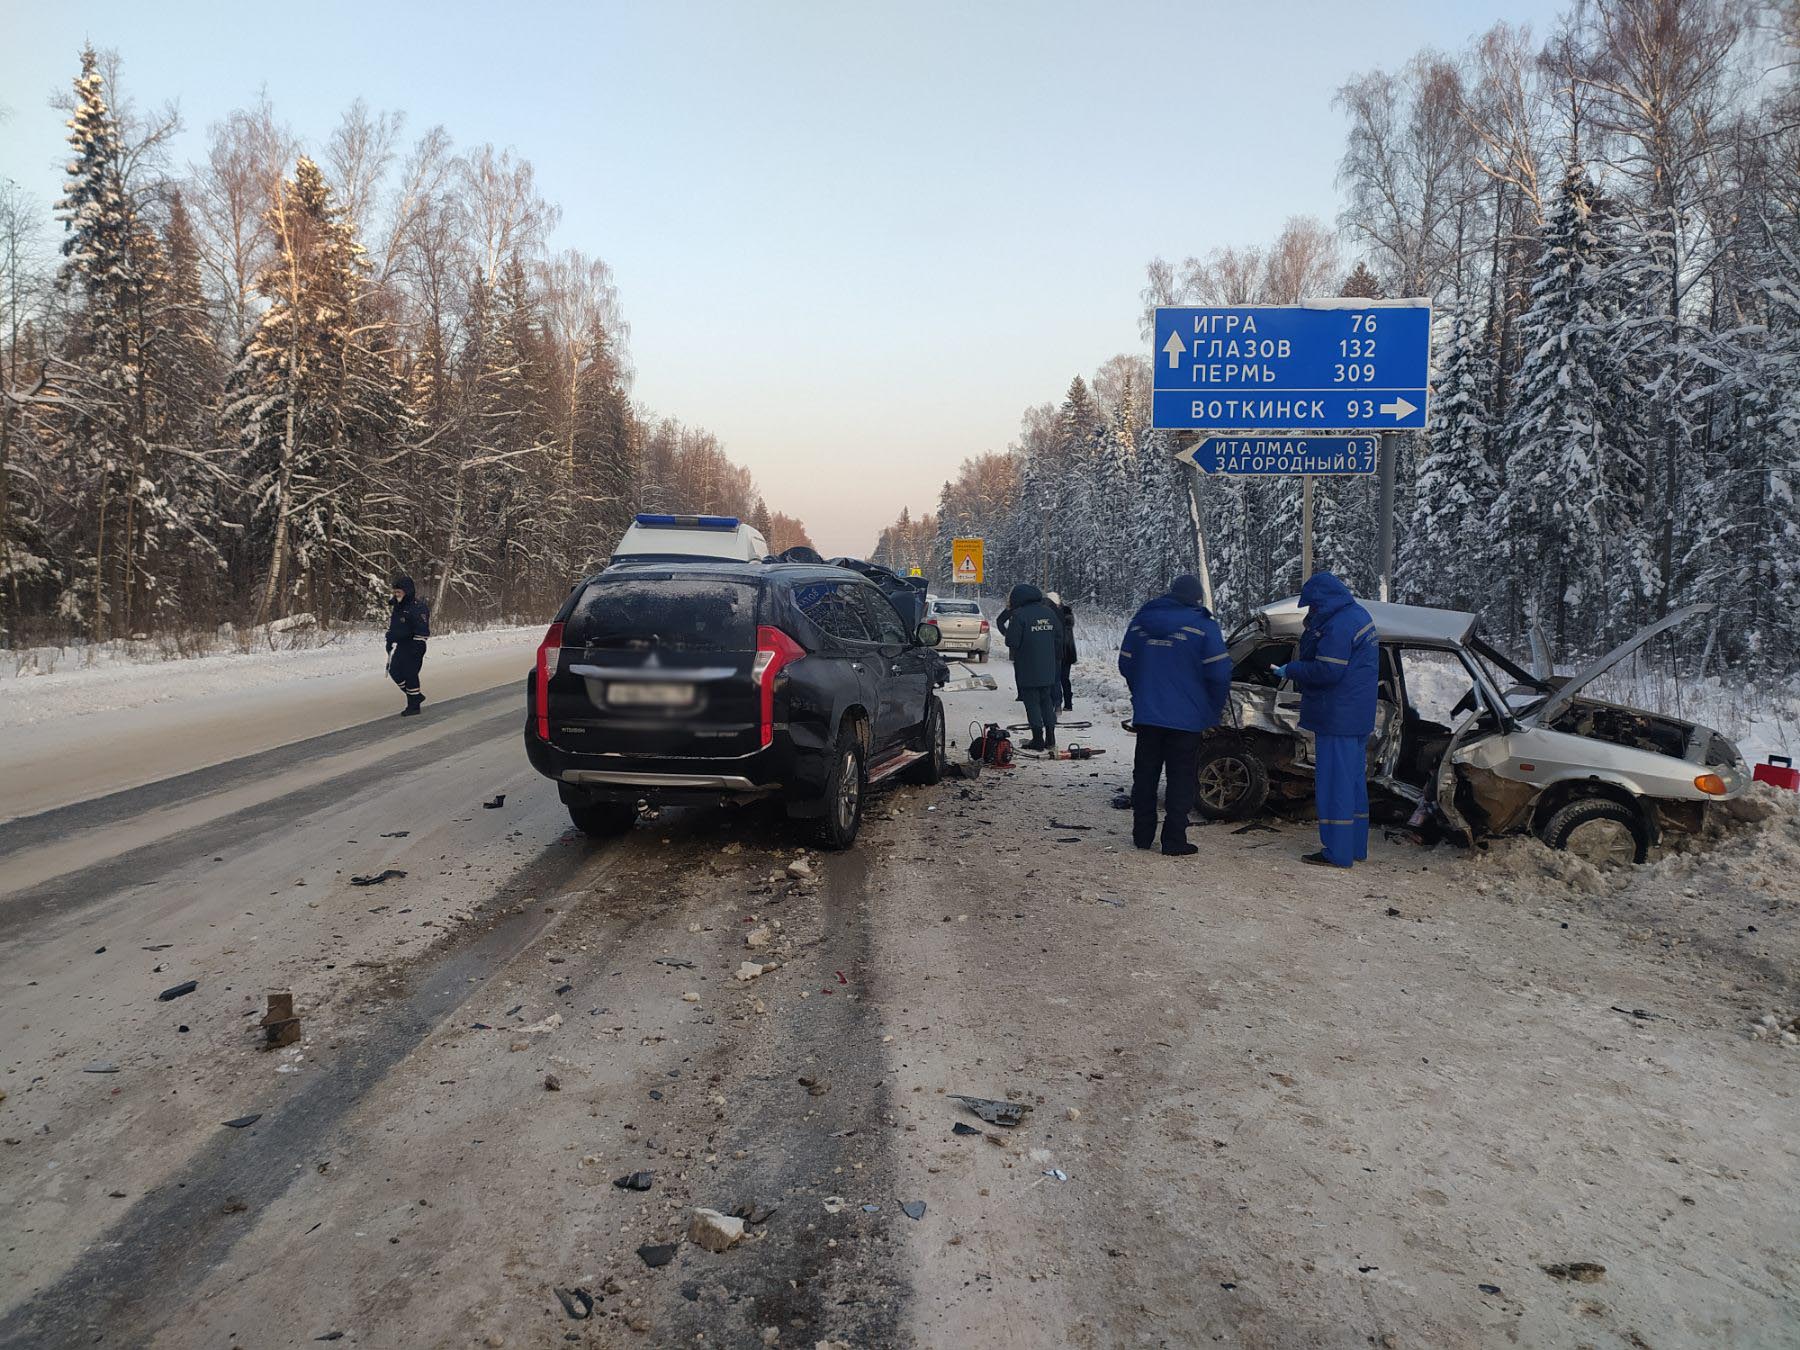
1175 661
1339 664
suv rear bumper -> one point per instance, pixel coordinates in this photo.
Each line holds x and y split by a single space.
710 782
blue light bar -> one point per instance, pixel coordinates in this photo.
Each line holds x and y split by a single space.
661 522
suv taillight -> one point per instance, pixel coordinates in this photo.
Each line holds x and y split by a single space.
774 649
549 652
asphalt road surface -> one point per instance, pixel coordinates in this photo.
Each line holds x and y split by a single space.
1269 1106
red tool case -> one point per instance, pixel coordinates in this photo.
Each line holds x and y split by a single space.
1780 771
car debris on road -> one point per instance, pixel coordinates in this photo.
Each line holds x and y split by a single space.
993 1111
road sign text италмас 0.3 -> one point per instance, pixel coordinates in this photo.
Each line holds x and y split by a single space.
1337 365
1275 455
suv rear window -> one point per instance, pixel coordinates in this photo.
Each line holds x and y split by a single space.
957 607
667 612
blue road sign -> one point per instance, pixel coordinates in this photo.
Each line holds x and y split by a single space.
1354 366
1259 455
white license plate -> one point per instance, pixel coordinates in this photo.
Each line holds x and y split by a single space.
650 694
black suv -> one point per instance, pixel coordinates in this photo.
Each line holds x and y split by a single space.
708 681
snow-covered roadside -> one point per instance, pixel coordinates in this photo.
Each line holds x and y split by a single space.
134 679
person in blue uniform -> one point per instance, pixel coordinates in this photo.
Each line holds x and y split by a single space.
1337 670
409 624
1174 660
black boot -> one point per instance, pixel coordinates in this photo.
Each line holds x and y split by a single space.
412 705
1050 739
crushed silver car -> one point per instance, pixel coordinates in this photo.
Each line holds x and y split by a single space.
1467 736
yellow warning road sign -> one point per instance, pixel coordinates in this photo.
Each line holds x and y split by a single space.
966 561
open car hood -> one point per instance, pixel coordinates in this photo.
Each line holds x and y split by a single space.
1593 670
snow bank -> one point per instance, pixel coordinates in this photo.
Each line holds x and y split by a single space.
37 684
1750 845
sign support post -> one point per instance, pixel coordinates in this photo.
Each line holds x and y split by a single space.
1385 544
1206 591
1306 528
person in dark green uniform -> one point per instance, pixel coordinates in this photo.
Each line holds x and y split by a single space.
1034 638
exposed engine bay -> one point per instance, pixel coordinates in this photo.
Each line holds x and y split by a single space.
1624 726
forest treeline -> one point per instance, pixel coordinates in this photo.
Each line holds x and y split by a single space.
1607 220
267 382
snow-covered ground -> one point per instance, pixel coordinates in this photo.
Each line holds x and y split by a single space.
60 682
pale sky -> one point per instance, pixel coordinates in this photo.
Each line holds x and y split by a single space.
853 240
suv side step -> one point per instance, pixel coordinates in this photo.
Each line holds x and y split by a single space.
893 764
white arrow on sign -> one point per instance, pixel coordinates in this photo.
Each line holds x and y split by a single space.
1174 347
1399 408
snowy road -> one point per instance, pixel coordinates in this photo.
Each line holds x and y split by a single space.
76 734
1293 1109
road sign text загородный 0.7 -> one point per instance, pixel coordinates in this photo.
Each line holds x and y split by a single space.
1258 456
1353 365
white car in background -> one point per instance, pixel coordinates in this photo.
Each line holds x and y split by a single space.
962 625
664 538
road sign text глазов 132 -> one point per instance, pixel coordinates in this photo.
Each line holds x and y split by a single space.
1257 455
1324 366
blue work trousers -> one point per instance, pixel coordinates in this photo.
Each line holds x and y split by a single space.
1342 793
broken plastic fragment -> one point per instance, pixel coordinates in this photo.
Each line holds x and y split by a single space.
386 874
657 1254
243 1121
635 1181
176 991
960 1128
913 1209
499 800
992 1111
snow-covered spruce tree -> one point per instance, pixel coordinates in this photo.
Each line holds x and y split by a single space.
527 490
605 466
1069 481
109 264
1449 557
323 424
1114 479
181 561
1161 529
1572 503
1746 519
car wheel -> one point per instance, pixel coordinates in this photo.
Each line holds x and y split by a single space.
1232 781
845 786
930 770
603 820
1598 830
